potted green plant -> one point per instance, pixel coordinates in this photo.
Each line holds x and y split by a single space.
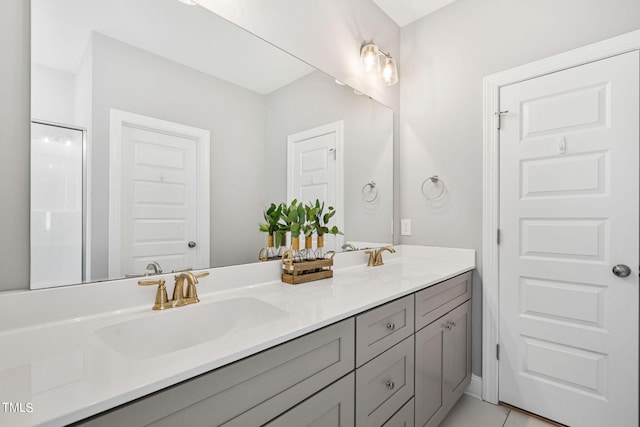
309 228
321 224
272 226
283 229
296 218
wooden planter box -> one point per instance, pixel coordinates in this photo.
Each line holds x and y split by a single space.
295 273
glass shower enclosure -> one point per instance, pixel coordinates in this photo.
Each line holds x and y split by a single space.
58 225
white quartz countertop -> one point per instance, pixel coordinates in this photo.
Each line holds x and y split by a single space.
56 367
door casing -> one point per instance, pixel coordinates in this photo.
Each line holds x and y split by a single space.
118 119
491 202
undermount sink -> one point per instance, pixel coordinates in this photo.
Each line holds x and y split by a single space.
178 328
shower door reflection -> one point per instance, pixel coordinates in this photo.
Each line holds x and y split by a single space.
57 200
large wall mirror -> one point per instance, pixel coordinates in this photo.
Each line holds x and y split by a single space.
161 132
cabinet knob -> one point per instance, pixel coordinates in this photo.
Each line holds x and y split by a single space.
452 323
391 326
447 326
390 385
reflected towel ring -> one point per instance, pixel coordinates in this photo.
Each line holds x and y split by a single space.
370 192
436 181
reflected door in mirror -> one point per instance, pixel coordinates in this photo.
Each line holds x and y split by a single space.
156 185
315 172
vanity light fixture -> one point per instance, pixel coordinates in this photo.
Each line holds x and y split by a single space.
370 56
378 63
389 71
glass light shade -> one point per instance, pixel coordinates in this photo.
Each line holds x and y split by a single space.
389 75
370 56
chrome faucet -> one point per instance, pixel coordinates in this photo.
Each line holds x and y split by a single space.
375 257
181 295
155 267
349 247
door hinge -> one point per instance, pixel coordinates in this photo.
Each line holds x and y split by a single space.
498 236
499 114
497 351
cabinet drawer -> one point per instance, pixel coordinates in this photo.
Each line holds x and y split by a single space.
251 391
382 327
384 384
333 406
439 299
402 418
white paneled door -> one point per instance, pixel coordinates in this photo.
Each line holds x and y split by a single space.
568 216
160 199
314 171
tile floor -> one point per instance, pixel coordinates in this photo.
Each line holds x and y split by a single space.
472 412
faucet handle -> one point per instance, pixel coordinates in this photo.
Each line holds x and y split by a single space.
162 300
201 274
372 258
191 293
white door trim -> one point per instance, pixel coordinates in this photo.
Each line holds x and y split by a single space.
338 129
491 202
118 119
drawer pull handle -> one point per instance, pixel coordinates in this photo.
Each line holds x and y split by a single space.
391 326
390 385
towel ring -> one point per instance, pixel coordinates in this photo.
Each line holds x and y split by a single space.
368 190
435 180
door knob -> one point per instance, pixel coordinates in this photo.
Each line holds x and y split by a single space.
621 270
192 244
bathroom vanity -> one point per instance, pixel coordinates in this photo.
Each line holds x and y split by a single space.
371 346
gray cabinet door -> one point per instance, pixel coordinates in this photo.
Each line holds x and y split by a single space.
332 407
384 384
251 391
457 353
429 399
382 327
439 299
443 365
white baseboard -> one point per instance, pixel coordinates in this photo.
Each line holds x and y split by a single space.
475 387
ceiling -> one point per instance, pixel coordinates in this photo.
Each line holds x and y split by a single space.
406 11
189 35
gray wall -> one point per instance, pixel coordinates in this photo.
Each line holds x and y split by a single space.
57 89
15 117
444 57
154 86
325 33
368 148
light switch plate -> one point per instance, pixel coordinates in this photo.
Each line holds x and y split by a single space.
405 227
